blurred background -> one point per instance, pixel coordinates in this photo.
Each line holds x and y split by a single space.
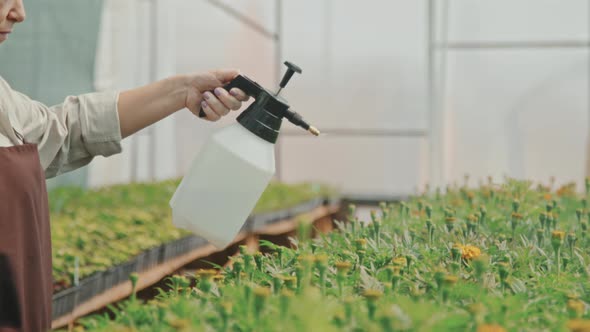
410 92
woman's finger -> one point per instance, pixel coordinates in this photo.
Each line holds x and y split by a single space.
228 100
211 114
216 105
225 75
239 94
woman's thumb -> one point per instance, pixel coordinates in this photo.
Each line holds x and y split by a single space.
225 75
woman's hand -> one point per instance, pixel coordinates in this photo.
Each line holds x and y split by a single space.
206 92
143 106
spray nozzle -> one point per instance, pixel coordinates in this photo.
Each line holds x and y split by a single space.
296 119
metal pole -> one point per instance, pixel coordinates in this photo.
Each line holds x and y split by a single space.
440 87
278 68
139 43
153 77
328 42
335 132
513 45
430 77
588 98
243 19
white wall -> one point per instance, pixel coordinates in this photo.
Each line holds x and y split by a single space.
507 112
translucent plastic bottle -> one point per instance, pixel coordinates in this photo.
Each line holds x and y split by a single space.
223 184
229 175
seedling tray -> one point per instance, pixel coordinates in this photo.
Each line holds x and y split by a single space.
305 207
91 286
110 277
148 258
261 220
170 256
181 246
125 269
65 301
331 201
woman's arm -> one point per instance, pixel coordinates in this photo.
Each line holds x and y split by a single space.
70 134
141 107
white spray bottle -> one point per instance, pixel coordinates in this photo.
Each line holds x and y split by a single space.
233 169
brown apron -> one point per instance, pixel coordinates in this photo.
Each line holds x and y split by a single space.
25 242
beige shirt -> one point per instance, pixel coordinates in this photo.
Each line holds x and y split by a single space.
68 135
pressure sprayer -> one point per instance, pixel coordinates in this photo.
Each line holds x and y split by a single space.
228 176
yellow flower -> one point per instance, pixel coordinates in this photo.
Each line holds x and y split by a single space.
450 220
450 280
360 245
576 307
396 269
342 266
179 324
262 292
558 235
490 328
289 281
476 308
306 259
321 258
400 261
227 306
372 294
470 252
207 274
287 293
467 251
578 325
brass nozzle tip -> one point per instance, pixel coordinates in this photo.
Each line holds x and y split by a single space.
314 130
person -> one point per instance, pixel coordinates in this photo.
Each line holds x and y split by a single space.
38 142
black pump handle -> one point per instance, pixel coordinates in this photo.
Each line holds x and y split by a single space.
243 83
291 69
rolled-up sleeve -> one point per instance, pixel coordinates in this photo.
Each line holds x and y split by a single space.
71 134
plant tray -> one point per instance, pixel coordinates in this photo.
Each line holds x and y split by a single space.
125 269
90 287
148 258
64 302
331 201
180 246
268 218
110 277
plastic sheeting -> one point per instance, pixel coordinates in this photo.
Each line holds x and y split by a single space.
51 55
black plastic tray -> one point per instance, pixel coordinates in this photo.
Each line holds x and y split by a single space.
263 219
90 287
332 201
110 277
64 302
124 270
305 207
148 258
180 246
